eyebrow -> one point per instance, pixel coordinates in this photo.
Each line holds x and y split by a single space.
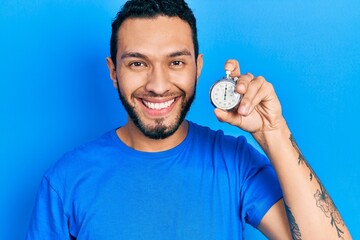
132 55
180 53
142 56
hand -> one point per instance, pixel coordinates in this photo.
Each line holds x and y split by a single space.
259 109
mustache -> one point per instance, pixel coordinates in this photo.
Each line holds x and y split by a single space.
153 94
156 95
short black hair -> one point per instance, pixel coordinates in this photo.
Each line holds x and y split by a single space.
152 9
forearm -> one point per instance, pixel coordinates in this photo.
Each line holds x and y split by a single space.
311 212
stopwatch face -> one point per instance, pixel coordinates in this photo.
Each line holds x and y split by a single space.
223 94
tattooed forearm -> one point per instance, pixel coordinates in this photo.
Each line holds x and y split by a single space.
294 228
322 198
327 206
301 158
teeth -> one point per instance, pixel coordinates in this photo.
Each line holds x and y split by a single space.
158 106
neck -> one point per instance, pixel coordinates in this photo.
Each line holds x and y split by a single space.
134 138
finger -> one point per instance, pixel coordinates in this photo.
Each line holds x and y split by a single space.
227 116
243 82
252 96
233 66
265 93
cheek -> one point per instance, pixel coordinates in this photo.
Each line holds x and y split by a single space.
186 81
129 83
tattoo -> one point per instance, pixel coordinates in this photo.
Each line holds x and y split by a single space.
301 158
294 228
322 198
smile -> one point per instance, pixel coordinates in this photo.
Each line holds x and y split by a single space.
157 105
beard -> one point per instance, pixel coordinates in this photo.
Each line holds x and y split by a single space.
160 130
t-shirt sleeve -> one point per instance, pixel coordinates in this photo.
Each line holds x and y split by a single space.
260 189
48 220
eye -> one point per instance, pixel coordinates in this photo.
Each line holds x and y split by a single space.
177 63
137 64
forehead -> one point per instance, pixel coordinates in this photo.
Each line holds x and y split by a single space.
158 35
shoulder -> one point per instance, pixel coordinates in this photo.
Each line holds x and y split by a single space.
228 147
216 137
85 156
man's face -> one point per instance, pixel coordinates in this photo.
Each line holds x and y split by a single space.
156 73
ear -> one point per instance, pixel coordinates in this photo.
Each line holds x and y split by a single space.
112 71
199 65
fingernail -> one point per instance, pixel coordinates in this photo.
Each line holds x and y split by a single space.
243 110
229 66
241 88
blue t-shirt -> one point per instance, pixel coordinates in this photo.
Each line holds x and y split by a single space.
205 188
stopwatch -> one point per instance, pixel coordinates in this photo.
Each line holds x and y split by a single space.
223 93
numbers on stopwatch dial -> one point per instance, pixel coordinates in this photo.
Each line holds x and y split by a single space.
223 95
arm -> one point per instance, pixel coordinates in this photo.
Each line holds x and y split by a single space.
310 211
307 203
48 220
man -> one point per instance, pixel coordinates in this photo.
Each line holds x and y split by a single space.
162 177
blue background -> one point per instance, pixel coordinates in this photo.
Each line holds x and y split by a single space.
56 93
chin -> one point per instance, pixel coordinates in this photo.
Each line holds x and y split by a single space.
159 129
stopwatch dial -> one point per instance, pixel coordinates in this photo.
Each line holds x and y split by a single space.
223 95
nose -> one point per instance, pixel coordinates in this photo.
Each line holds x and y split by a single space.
158 81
